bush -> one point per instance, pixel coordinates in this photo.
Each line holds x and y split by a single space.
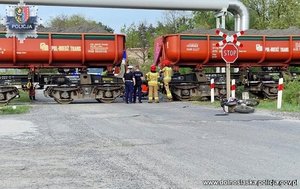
291 93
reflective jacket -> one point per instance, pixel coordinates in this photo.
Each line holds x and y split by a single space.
167 72
152 78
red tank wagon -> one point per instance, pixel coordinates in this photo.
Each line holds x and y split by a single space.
200 51
66 51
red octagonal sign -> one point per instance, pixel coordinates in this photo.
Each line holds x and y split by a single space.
230 53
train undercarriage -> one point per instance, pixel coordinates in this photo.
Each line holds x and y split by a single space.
193 86
7 93
101 88
196 85
64 88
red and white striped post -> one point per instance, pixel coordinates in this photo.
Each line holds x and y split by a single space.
212 90
233 88
279 97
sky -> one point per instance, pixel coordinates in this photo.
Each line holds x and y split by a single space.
114 18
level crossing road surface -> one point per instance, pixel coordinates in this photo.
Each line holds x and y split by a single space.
166 145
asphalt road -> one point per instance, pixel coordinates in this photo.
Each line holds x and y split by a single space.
166 145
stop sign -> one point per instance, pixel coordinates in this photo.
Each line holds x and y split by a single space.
230 53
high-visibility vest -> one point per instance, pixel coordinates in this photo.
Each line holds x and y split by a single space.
167 72
29 85
152 78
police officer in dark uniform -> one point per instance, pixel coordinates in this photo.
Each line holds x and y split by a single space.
138 75
129 81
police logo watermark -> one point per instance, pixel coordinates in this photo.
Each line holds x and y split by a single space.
21 21
22 14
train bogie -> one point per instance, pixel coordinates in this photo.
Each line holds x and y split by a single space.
7 93
103 89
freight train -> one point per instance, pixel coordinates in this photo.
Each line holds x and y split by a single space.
272 54
66 52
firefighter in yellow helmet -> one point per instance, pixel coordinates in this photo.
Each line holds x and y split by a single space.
152 78
167 74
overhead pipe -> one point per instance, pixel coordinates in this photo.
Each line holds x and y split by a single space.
237 22
234 6
241 14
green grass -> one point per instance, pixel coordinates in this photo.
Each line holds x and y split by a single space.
5 110
17 105
272 105
23 97
215 104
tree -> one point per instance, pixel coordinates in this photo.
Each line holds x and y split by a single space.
264 14
267 14
207 20
139 39
77 23
204 19
174 22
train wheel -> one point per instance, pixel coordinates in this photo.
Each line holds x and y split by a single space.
270 92
268 96
105 100
98 100
63 101
65 98
7 93
2 96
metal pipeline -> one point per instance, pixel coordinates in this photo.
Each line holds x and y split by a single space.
234 6
241 14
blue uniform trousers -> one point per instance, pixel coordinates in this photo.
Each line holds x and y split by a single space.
128 91
137 92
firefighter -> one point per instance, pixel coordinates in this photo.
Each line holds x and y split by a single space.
31 89
152 78
167 74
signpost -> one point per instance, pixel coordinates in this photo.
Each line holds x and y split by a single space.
229 53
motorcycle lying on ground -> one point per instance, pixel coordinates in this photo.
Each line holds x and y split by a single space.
239 106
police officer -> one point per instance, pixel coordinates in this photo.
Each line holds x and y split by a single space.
167 74
138 75
129 81
152 78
